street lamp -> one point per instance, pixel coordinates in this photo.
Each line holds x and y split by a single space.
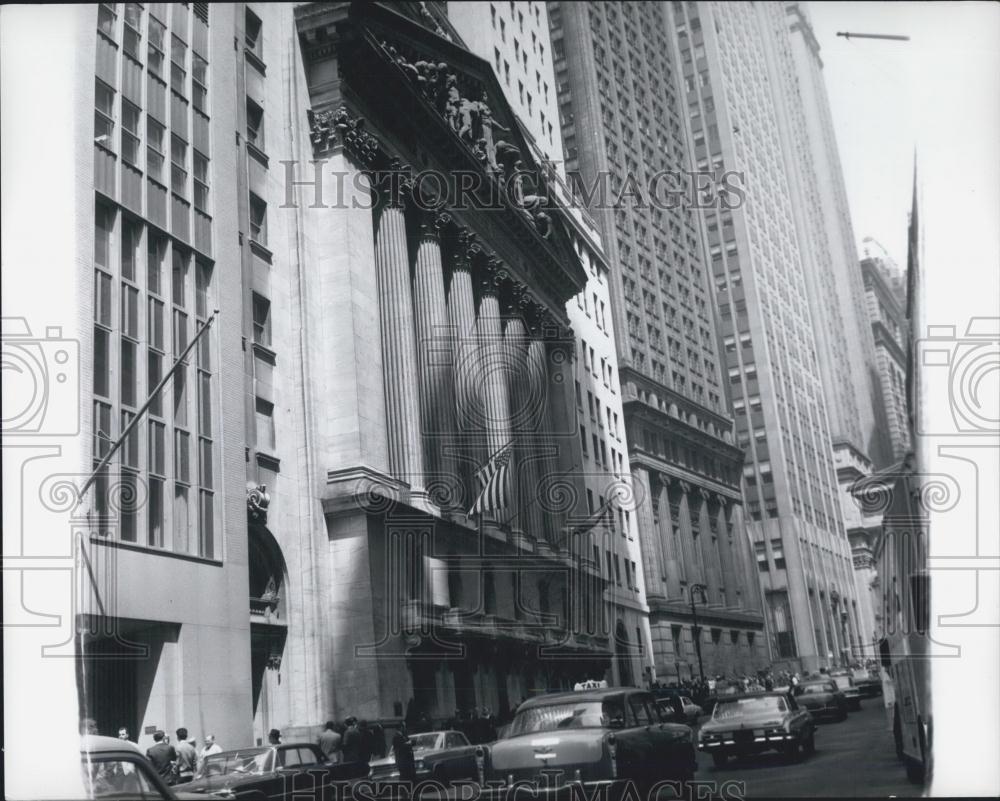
700 589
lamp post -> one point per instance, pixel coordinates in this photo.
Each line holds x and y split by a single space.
700 589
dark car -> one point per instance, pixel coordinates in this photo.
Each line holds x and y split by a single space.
822 698
440 755
869 683
273 772
113 768
591 738
845 683
753 723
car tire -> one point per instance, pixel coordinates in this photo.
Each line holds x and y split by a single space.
719 759
810 744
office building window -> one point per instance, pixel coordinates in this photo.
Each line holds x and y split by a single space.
261 320
255 124
104 115
157 34
258 220
170 453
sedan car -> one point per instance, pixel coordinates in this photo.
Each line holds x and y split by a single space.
822 698
869 683
750 724
594 739
113 768
272 772
441 755
846 686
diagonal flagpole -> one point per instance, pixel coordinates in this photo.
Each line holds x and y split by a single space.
138 415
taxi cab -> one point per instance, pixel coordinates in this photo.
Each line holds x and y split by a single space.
592 737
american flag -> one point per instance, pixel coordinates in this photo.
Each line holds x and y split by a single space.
493 478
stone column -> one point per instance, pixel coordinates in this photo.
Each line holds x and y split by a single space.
492 374
468 409
670 555
392 265
650 534
730 579
523 396
546 465
566 461
709 553
691 556
434 355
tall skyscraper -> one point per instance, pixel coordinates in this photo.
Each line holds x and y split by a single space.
887 316
835 286
516 37
769 261
621 115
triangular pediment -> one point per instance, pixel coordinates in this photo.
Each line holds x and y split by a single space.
435 94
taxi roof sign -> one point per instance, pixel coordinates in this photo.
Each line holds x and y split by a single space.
591 684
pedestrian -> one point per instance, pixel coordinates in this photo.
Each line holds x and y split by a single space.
329 742
210 747
366 746
163 756
274 737
351 742
378 740
402 751
187 758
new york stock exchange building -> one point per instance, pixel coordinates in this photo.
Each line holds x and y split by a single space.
436 300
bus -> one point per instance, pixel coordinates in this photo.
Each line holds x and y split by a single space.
904 647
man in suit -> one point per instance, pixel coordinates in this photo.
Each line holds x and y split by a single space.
163 756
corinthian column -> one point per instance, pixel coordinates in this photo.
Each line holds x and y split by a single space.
399 349
730 579
493 372
468 409
434 354
524 423
546 467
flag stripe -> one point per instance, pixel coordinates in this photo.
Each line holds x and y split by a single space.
493 477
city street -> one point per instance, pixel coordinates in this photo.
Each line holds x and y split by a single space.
855 758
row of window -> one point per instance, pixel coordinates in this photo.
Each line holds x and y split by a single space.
144 320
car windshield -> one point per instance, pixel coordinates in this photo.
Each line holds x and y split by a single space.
686 701
575 715
741 707
250 762
813 689
842 681
424 742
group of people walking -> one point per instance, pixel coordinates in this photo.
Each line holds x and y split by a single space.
352 740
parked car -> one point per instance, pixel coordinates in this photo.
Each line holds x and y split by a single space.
822 698
753 723
594 738
441 755
272 772
846 686
113 768
869 683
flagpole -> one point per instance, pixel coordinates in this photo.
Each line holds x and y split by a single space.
138 415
